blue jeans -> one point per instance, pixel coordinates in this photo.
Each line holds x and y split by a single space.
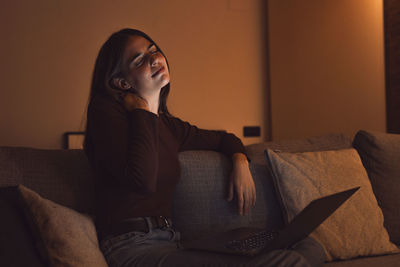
160 247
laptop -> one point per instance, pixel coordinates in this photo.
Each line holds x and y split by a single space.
249 241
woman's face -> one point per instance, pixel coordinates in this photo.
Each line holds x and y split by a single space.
144 67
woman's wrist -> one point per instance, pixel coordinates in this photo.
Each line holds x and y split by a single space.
240 158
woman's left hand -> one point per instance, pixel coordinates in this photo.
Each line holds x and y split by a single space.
242 183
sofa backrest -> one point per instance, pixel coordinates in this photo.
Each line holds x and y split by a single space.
60 175
199 203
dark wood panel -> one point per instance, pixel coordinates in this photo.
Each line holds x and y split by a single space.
392 63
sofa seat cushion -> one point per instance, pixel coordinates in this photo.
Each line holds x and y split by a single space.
380 154
354 229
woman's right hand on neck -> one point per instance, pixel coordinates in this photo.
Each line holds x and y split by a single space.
133 101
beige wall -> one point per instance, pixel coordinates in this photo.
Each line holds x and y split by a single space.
48 49
326 64
327 67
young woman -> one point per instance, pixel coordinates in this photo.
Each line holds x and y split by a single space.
132 143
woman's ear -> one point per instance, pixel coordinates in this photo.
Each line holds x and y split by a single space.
121 83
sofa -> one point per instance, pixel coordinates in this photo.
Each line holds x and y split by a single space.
64 177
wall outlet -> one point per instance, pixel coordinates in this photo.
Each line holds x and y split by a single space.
251 131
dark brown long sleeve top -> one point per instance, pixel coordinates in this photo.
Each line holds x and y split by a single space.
134 156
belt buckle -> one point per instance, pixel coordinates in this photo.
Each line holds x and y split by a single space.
165 221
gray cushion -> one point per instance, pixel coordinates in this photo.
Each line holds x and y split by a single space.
380 154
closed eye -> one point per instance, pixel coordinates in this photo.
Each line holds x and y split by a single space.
139 58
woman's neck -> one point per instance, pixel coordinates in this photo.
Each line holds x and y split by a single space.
154 102
153 105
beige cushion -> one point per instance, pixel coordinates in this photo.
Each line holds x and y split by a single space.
64 237
356 228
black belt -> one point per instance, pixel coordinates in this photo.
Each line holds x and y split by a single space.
140 224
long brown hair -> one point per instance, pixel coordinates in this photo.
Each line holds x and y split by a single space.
109 66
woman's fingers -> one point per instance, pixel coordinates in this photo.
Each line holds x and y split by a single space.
244 201
246 204
249 199
230 190
254 195
241 201
133 101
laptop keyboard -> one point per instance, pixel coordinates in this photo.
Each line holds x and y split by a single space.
256 241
